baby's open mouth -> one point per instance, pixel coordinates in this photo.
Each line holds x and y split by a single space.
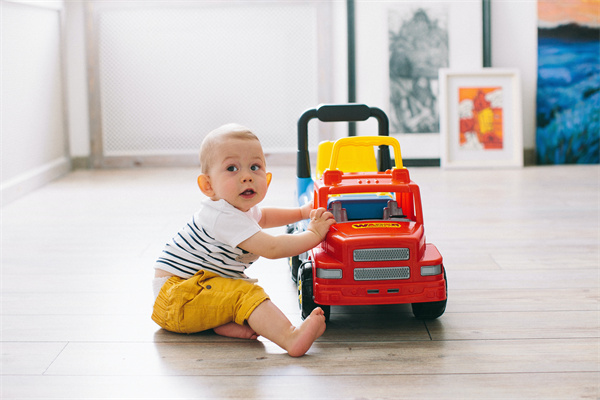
248 192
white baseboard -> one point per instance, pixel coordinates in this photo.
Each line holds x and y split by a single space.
31 180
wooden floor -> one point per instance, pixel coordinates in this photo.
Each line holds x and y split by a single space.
521 249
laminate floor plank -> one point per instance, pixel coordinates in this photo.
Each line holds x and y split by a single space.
376 357
516 325
506 300
29 358
548 386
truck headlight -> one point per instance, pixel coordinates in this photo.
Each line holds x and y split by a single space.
329 273
431 270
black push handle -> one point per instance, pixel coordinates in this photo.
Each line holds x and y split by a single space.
339 113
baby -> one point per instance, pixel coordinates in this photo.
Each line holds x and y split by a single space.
199 278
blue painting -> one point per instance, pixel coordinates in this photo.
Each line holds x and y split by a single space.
568 94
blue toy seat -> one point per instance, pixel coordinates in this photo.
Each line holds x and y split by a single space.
360 206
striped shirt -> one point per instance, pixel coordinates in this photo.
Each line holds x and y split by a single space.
209 242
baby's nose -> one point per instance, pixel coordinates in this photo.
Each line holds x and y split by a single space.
246 177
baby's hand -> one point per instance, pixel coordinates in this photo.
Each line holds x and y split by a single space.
320 221
306 209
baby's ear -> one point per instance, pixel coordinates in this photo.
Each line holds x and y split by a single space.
205 186
269 176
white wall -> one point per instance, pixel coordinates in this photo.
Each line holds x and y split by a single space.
514 44
76 69
33 131
169 75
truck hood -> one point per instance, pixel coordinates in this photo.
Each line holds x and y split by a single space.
375 228
346 237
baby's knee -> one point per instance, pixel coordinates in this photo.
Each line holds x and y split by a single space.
248 302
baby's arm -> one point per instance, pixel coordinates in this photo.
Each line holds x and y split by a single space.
269 246
272 217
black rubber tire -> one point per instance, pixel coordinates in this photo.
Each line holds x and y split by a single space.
294 263
306 300
431 310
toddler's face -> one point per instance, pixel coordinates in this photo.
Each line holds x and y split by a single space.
238 174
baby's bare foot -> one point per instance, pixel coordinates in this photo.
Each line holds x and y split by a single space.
234 330
305 335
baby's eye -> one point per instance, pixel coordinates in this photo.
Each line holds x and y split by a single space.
232 168
255 167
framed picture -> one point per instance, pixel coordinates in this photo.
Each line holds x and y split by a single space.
480 118
407 43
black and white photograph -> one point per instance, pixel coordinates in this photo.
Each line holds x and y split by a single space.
418 41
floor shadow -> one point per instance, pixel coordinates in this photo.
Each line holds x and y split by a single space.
393 322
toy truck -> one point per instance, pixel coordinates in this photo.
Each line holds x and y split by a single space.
376 252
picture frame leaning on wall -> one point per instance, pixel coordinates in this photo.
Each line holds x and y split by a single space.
481 118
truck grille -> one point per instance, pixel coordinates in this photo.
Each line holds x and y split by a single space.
381 274
385 254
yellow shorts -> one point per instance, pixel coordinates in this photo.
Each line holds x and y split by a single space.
205 301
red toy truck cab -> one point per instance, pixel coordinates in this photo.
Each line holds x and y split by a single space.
380 259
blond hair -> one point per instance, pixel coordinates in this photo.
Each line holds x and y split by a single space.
216 137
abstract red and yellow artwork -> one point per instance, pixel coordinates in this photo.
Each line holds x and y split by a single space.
480 110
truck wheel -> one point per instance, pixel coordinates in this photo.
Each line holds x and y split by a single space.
431 310
294 263
305 292
305 289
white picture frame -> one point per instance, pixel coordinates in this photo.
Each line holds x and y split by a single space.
481 118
